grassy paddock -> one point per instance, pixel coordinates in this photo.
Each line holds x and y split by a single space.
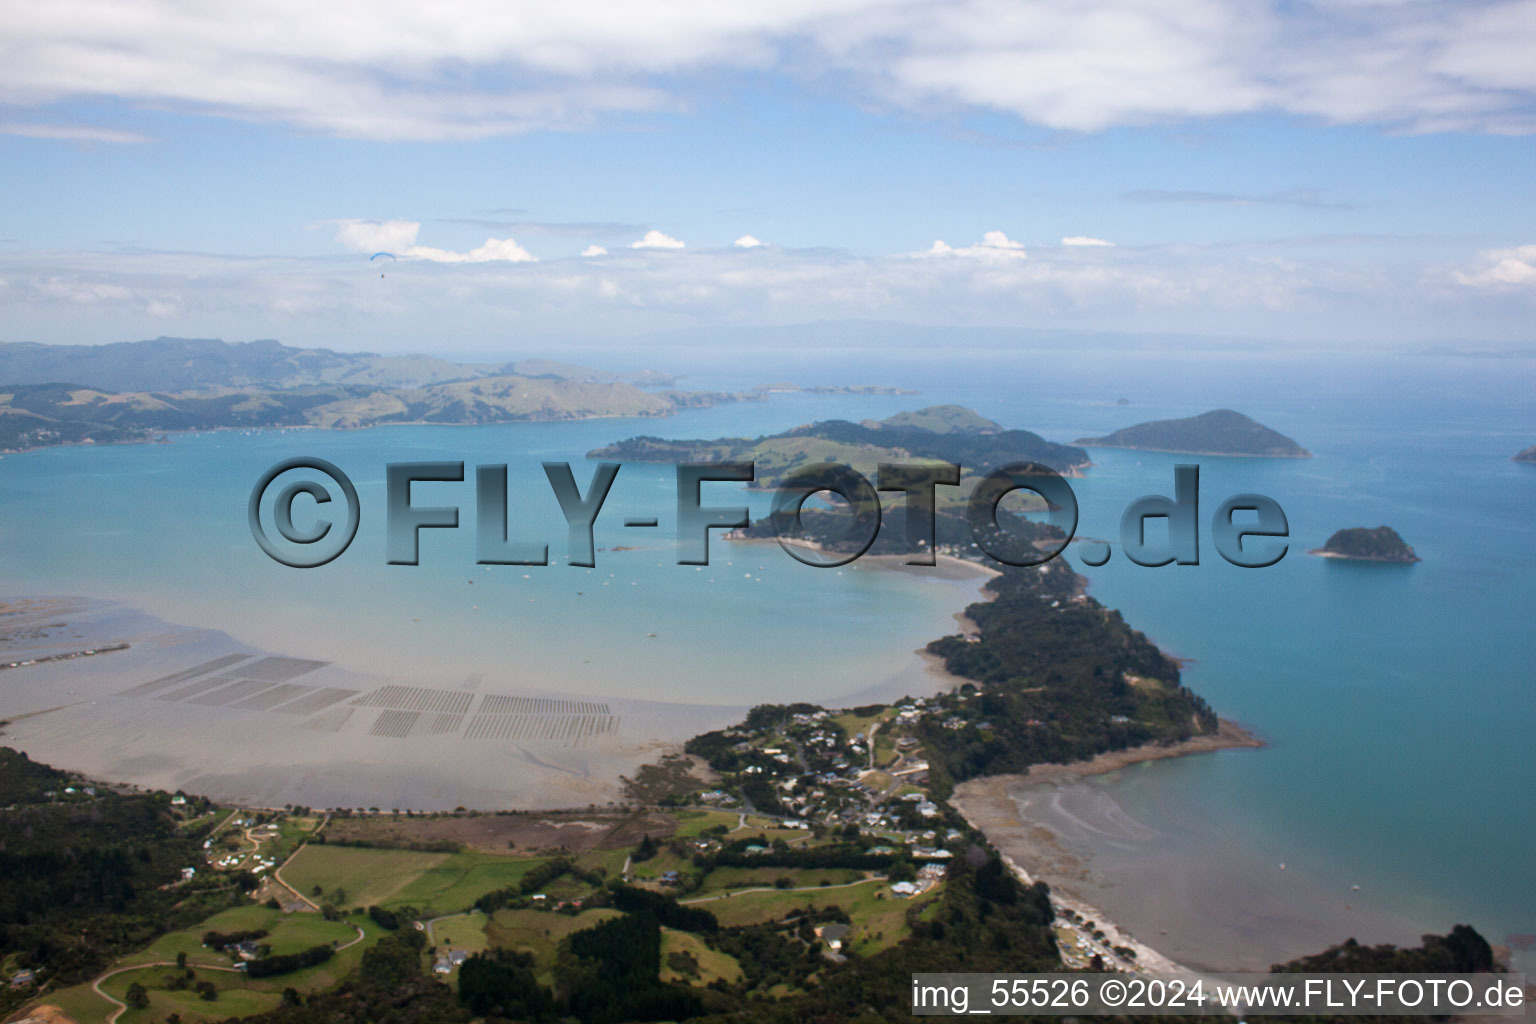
879 919
691 823
723 879
240 996
253 917
454 883
79 1003
461 931
712 963
610 862
234 1000
369 876
854 724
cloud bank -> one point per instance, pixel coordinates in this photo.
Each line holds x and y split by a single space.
477 68
457 301
1503 269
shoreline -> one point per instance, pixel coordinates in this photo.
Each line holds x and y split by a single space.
953 568
987 804
978 800
1340 556
1228 736
587 774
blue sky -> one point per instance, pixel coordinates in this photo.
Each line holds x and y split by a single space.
1343 173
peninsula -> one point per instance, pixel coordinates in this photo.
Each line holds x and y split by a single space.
1218 432
1529 455
1363 544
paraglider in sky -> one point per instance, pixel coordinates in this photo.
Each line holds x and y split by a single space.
382 255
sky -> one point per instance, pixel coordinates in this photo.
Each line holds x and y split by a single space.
1344 173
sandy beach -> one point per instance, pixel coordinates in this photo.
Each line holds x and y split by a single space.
1183 886
946 567
1033 852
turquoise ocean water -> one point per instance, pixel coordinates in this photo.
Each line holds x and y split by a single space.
1397 701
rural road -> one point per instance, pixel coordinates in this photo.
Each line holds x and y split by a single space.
119 1004
277 876
446 917
277 872
122 1006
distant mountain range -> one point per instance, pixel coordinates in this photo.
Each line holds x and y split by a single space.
1218 432
134 391
1529 455
37 415
184 364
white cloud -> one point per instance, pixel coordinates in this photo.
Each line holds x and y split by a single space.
378 235
80 291
1503 268
994 246
747 242
656 240
399 237
358 68
1084 240
72 133
594 250
504 250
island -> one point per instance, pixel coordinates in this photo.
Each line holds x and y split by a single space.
1529 455
1363 544
1218 432
948 433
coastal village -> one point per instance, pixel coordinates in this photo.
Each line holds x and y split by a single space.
844 773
